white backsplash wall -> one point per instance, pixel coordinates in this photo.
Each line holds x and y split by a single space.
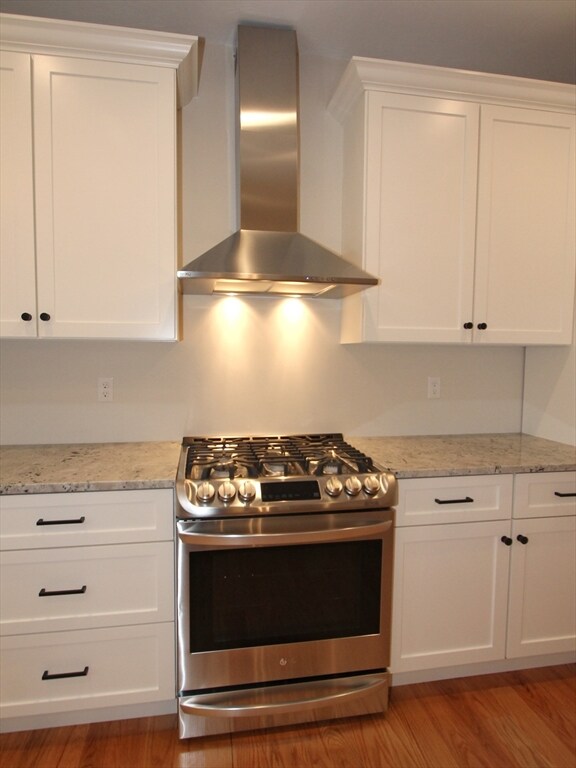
550 392
256 365
253 366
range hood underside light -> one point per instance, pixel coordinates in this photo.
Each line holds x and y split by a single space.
273 288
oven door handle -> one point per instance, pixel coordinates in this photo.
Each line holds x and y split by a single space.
280 531
283 699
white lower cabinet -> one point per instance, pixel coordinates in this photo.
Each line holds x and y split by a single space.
450 595
86 602
68 671
542 604
474 585
84 587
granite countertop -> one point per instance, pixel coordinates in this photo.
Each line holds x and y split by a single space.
87 467
133 466
446 455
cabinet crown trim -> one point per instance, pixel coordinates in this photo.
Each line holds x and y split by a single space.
364 74
55 37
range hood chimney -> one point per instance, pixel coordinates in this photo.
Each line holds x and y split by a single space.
268 256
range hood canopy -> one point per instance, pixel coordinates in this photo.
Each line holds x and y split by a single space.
268 256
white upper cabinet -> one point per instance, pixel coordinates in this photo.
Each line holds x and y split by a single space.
17 259
459 196
526 228
95 255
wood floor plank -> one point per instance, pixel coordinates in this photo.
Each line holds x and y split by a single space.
448 733
524 719
370 742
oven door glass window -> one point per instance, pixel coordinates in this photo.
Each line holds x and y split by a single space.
262 596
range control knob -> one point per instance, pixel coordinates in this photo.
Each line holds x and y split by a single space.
226 491
205 492
333 486
247 491
371 485
352 486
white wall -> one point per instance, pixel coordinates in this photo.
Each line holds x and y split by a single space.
259 365
550 392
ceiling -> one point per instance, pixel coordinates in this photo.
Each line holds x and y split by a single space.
526 38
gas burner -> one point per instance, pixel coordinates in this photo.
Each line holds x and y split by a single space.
223 468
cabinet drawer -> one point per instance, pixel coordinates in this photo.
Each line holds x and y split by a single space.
549 494
428 501
79 588
86 669
77 519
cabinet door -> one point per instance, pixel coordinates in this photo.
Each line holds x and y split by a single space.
421 166
526 227
104 145
17 277
450 595
542 608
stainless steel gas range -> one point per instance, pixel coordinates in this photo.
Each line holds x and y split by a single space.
285 548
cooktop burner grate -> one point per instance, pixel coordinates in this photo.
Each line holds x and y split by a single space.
273 456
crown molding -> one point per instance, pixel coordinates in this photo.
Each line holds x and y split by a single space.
54 37
363 74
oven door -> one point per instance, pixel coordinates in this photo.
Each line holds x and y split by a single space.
283 598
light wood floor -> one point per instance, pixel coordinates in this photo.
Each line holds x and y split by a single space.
523 719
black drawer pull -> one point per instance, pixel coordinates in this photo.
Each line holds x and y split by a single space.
50 593
62 675
75 521
522 539
564 495
506 540
466 500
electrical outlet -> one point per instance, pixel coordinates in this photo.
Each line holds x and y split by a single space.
105 389
433 387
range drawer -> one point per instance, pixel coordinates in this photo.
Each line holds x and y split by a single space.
550 494
79 588
438 500
61 671
77 519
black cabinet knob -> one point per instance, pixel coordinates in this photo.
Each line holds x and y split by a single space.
44 316
468 326
522 539
26 316
482 326
506 540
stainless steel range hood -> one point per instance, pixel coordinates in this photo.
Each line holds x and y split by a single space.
268 256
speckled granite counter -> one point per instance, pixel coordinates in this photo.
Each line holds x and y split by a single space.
87 467
132 466
445 455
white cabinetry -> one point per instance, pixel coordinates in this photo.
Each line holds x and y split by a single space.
17 264
471 584
450 573
86 619
93 254
542 607
461 204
